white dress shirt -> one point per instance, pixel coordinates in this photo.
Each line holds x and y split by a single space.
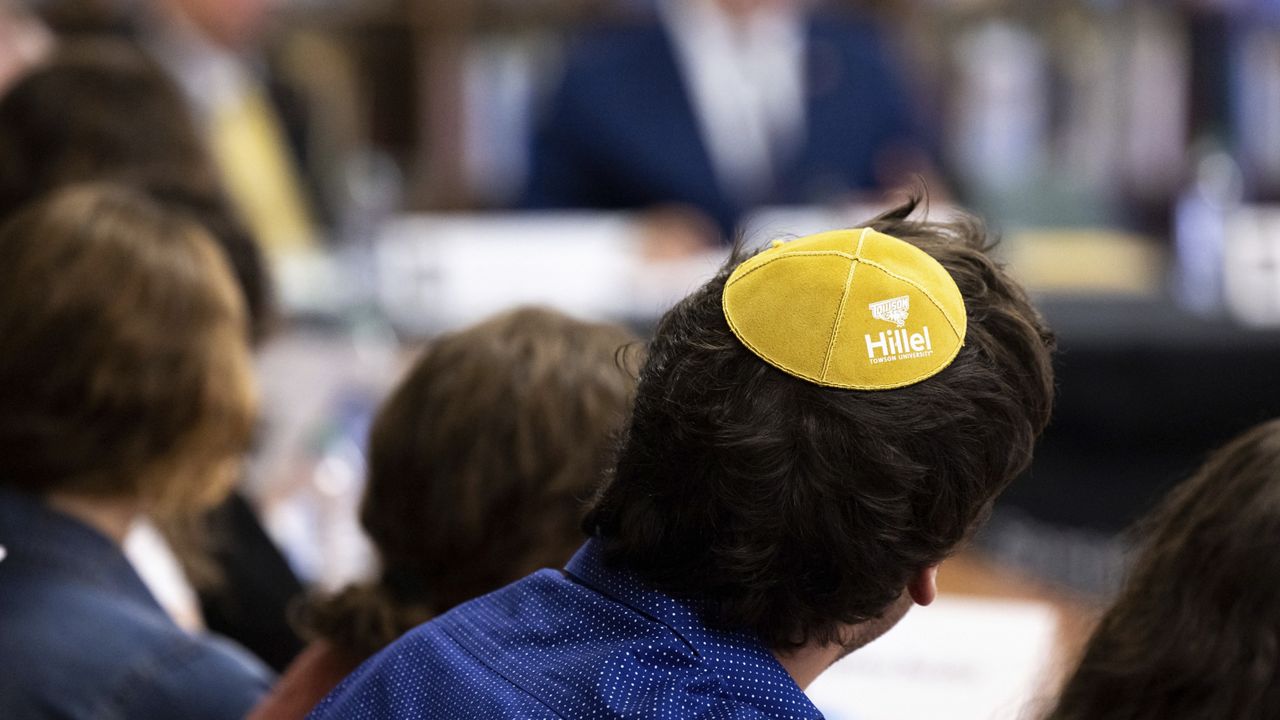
745 80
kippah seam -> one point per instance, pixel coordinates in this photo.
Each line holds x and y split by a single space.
926 293
862 236
804 253
844 300
760 354
835 327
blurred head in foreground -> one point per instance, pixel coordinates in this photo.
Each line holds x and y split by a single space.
125 390
124 372
101 110
812 514
1195 633
479 465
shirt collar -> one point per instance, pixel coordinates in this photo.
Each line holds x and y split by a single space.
37 536
768 687
745 79
588 566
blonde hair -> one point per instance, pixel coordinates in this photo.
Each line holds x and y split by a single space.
124 369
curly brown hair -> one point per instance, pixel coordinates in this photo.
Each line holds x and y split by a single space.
479 466
793 509
1195 633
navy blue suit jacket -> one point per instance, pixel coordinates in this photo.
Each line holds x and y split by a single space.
620 132
82 637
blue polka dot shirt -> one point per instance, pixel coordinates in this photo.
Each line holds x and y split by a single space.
591 642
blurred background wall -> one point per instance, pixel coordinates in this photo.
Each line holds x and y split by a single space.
1061 112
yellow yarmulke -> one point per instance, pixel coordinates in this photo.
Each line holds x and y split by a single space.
853 309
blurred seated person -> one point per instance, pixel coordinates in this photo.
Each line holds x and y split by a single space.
126 390
255 129
479 465
101 110
722 106
97 109
1195 633
209 46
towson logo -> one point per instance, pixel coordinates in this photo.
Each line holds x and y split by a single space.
896 344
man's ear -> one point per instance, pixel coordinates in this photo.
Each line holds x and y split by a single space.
924 586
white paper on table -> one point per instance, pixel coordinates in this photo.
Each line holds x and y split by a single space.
438 272
442 272
959 659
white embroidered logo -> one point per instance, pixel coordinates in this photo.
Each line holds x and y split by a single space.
893 310
896 344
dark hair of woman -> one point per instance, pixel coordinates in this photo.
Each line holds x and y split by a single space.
102 111
479 465
1195 632
97 110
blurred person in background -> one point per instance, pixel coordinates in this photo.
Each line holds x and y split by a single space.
1195 633
254 127
126 390
479 467
97 109
723 106
208 46
101 110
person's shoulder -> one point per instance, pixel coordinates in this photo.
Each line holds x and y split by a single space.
544 647
427 674
195 677
165 671
74 626
98 650
523 651
578 649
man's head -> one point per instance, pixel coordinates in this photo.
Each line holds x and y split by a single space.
233 24
798 510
